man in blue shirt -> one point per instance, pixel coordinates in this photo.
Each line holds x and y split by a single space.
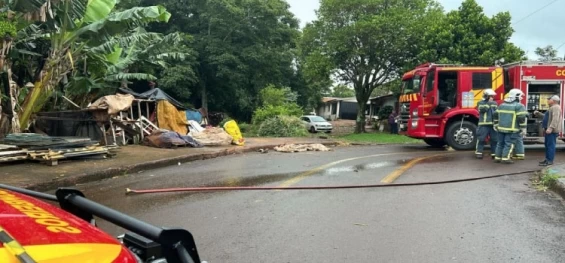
552 127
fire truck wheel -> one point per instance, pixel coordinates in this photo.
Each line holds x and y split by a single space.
461 137
435 143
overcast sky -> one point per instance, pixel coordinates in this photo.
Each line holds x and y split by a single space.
544 27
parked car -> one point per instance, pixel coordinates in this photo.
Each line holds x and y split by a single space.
316 123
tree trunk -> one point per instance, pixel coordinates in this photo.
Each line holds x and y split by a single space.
204 97
360 124
9 121
14 100
31 102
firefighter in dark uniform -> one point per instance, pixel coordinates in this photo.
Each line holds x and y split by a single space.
509 120
486 108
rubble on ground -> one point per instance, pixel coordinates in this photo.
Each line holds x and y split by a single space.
290 148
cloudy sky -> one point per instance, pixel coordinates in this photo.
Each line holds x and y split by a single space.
533 27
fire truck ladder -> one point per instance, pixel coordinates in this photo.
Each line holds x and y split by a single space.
447 65
530 63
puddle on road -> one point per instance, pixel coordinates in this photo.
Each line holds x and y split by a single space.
436 159
354 168
253 180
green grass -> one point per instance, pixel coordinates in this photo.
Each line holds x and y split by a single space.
378 138
547 180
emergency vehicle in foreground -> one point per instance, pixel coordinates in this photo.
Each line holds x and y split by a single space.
35 231
438 101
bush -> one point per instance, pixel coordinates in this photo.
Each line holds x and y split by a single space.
282 126
384 112
244 127
270 111
248 130
272 95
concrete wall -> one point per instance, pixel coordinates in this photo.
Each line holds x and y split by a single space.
328 110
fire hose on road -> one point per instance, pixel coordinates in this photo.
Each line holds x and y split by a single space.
386 182
262 188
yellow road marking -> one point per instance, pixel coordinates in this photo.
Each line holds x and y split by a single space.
301 176
398 172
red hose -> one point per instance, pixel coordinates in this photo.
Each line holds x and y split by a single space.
247 188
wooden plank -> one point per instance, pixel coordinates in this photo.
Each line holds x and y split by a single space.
7 153
7 147
126 128
13 159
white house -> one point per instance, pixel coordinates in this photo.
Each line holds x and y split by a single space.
339 108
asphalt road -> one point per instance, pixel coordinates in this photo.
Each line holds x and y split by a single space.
503 219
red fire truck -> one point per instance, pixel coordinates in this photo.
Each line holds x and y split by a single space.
438 101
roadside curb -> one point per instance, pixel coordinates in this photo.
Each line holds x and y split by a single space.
138 167
559 186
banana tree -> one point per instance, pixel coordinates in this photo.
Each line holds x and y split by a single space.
112 63
8 117
73 27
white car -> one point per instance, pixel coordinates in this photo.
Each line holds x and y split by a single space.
316 123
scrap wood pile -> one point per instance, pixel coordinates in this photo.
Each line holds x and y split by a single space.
47 149
290 148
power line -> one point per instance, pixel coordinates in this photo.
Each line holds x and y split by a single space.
532 13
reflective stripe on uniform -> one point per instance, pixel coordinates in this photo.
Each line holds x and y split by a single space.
510 152
513 123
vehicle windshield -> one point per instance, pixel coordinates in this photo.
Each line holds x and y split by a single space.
317 119
410 86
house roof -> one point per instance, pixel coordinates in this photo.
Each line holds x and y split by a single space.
382 97
328 99
349 99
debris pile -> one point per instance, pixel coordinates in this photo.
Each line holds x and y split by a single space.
169 139
290 148
47 149
212 136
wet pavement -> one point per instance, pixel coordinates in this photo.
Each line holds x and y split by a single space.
503 219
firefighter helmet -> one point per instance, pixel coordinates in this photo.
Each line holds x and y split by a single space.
514 94
488 92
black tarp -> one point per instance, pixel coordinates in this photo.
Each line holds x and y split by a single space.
155 94
69 123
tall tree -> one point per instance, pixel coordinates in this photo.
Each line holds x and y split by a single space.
242 46
547 53
366 42
468 36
